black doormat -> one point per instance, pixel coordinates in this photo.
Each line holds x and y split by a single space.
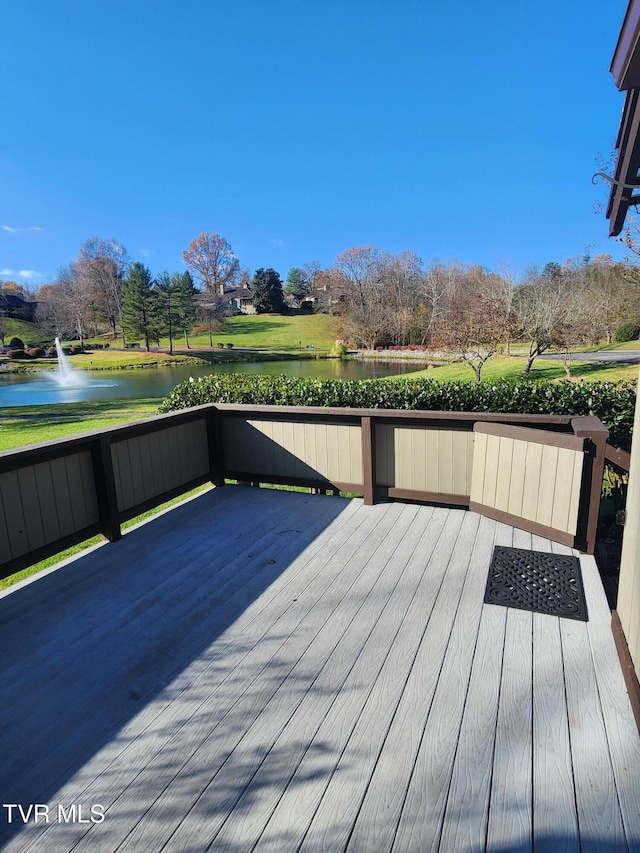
533 580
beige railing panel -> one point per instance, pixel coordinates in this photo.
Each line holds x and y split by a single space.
527 479
151 464
301 450
45 502
424 459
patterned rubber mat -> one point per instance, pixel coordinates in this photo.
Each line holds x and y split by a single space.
536 581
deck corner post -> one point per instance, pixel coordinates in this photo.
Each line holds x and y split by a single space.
368 460
216 446
106 489
594 430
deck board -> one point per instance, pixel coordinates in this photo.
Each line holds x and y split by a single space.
275 671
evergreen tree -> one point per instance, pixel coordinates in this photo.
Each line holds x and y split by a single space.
142 306
267 291
165 288
297 283
184 297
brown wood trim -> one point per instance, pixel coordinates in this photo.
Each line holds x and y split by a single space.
393 414
155 424
617 456
535 436
589 426
20 457
524 524
48 550
106 489
428 497
368 460
277 480
155 501
34 454
626 61
628 669
215 443
627 163
592 476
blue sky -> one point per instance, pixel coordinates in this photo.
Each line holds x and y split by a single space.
300 128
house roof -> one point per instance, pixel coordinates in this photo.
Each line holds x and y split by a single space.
237 293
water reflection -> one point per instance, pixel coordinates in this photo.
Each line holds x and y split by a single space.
24 389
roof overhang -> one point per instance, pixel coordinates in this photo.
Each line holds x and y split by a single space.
625 67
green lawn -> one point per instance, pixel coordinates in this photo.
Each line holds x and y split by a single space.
510 367
289 331
20 426
28 333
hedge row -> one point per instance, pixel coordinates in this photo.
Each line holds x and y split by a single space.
612 402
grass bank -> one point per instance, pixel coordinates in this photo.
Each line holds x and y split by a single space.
511 367
23 425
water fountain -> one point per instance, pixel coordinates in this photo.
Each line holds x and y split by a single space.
65 374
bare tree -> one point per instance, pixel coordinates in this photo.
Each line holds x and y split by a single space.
52 314
539 308
103 265
212 312
210 257
475 319
79 294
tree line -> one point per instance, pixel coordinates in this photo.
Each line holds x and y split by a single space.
385 299
102 289
380 299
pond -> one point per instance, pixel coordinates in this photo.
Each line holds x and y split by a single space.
31 389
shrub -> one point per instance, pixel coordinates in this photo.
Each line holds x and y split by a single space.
36 352
627 332
17 354
612 402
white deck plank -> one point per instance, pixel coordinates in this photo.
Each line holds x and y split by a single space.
423 812
394 723
599 815
622 734
510 818
268 754
231 667
270 701
555 823
465 819
349 670
345 695
288 824
140 623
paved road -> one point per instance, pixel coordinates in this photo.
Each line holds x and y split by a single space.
630 356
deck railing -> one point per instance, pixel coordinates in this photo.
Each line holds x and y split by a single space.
539 472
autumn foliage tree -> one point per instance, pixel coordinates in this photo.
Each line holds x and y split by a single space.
210 258
475 319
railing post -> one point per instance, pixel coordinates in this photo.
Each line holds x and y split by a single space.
592 428
368 460
106 489
216 447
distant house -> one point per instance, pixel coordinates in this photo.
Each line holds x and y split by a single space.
239 299
17 307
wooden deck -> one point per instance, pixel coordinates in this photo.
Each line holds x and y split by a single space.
276 671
